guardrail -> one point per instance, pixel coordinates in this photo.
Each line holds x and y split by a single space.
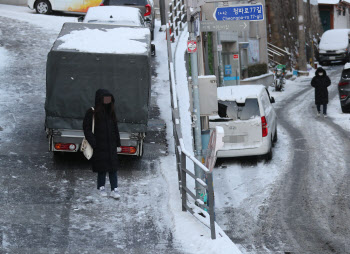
189 199
177 17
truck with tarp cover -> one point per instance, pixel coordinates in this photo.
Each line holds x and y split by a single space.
86 57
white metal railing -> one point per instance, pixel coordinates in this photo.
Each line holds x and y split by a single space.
176 17
187 196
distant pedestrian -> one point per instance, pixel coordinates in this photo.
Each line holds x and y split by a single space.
320 82
105 141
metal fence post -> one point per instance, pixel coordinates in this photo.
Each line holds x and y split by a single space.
211 205
183 181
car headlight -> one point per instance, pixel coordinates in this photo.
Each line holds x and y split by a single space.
322 51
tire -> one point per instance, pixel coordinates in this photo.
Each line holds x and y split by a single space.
43 7
276 85
345 110
268 156
275 137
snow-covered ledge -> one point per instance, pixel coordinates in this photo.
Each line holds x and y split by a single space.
265 79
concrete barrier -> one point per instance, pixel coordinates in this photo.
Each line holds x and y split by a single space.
14 2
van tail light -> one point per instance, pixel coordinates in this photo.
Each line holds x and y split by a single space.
343 83
264 126
148 10
65 146
128 149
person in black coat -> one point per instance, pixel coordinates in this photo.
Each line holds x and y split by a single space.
320 82
105 140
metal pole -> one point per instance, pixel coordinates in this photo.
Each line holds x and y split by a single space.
301 37
221 66
196 111
163 12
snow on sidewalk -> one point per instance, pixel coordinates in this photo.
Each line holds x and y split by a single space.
194 236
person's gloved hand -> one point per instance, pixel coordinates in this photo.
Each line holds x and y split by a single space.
119 149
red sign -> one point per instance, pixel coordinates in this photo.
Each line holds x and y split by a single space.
191 46
235 56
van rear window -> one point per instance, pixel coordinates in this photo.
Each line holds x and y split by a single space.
241 111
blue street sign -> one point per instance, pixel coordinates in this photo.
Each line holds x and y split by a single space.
246 12
228 69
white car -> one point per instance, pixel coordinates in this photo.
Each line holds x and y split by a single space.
116 15
47 6
248 119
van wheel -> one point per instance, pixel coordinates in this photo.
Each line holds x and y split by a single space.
344 110
268 156
43 7
275 137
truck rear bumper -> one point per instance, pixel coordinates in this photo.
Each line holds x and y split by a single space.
65 138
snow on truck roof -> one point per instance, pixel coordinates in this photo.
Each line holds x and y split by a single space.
239 93
113 14
97 38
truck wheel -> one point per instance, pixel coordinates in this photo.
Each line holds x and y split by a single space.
43 7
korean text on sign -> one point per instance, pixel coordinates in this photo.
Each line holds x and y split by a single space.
251 12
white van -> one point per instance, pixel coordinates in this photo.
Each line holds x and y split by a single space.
248 119
47 6
334 46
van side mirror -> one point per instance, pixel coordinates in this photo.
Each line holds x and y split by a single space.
153 50
81 19
272 100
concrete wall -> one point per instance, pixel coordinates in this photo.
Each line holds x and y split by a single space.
14 2
341 21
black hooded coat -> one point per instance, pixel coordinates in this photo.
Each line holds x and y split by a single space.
320 83
105 138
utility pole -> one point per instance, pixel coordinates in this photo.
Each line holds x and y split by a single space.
196 108
301 37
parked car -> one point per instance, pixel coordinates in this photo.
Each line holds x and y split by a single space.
146 7
47 6
334 46
116 15
344 89
248 119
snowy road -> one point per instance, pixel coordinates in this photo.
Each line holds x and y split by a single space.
299 202
49 204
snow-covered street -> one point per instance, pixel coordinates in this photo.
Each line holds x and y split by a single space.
299 202
50 204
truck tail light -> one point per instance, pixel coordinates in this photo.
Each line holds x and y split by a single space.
148 10
128 149
264 126
65 146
